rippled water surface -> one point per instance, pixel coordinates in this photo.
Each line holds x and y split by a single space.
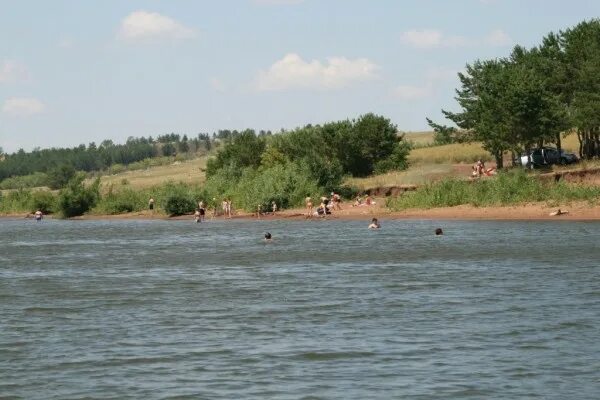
329 310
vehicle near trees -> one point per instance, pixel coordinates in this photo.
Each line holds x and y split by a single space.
546 156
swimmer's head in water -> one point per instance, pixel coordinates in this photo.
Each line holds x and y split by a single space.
439 231
374 220
268 236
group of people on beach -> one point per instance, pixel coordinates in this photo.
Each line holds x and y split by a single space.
326 206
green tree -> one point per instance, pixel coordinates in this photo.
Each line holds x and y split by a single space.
76 199
58 177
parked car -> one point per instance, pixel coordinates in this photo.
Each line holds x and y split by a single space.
545 156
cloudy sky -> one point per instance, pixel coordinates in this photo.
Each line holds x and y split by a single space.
73 72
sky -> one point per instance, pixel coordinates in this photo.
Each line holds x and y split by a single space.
74 72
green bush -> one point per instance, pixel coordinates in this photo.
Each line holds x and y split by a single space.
44 201
58 177
179 204
36 179
76 199
123 201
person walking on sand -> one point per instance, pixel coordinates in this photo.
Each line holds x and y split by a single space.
151 204
309 207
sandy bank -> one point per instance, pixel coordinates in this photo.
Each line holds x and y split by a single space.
534 211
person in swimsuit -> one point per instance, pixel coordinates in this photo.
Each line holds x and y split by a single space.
374 224
151 204
309 207
38 215
274 207
197 216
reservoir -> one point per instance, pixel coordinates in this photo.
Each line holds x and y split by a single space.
327 310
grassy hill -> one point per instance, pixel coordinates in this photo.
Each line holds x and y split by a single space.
426 164
190 171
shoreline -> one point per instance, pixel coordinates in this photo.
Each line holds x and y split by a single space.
526 212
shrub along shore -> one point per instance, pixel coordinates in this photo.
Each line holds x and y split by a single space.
509 188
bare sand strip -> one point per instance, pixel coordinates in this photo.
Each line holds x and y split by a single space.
535 211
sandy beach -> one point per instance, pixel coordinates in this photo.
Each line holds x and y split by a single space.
533 211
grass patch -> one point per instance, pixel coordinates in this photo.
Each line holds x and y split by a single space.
510 188
415 175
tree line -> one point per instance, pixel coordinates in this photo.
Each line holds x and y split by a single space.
100 157
532 97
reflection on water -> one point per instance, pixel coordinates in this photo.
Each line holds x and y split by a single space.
156 309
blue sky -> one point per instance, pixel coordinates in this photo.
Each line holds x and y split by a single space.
73 72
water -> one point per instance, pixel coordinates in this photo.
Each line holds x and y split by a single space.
329 310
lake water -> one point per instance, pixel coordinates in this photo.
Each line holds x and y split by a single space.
329 310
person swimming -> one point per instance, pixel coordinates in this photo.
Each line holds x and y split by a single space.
38 215
438 231
374 224
268 237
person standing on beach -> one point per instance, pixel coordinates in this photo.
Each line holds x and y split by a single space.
309 207
215 207
224 206
336 200
151 204
229 208
274 207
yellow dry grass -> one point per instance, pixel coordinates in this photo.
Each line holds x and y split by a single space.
180 171
419 138
415 175
449 154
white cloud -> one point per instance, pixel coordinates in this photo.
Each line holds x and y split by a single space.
498 38
12 71
143 25
409 92
293 72
22 106
431 38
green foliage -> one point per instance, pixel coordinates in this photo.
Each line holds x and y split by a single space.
179 203
531 96
124 201
514 187
244 150
37 179
442 134
58 177
76 199
44 201
16 201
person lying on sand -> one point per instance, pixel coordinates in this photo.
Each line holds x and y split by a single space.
558 212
